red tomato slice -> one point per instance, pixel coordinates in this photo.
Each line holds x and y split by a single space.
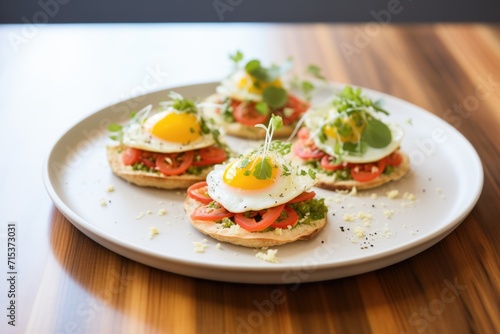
307 150
305 196
245 113
251 225
210 156
210 214
303 133
174 163
299 107
130 156
394 159
199 192
290 218
328 163
147 162
367 172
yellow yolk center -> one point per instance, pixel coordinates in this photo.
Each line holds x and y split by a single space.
243 177
254 86
178 128
349 132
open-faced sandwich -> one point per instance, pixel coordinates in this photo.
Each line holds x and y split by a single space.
349 145
257 200
171 148
250 95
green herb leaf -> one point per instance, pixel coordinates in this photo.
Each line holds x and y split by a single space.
244 163
377 134
358 148
275 97
262 108
312 174
315 71
115 127
263 170
237 57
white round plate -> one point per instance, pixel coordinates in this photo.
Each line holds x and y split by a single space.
364 232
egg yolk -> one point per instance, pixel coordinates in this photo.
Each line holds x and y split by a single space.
243 178
345 130
254 86
178 128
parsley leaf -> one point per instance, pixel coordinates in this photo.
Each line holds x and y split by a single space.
237 57
377 134
263 170
315 71
275 97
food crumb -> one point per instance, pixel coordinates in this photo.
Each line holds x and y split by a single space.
149 212
218 246
278 231
348 218
103 202
409 196
139 216
110 188
153 231
388 213
353 192
162 212
392 194
359 232
374 196
200 246
269 256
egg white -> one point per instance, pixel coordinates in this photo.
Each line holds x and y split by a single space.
237 200
318 117
137 134
229 87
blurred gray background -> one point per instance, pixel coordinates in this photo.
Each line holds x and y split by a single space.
112 11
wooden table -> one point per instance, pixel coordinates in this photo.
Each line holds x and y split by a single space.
53 76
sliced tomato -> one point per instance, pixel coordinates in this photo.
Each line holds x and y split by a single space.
394 159
174 163
307 150
210 156
303 133
245 113
208 213
149 161
131 155
329 163
299 107
251 225
287 218
199 192
306 195
367 172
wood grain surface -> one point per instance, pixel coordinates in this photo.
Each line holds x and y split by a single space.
68 283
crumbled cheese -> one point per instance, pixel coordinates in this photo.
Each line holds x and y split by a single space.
388 213
392 194
139 216
110 188
340 191
218 246
162 212
153 231
288 112
348 218
373 196
350 205
374 169
366 217
409 196
386 231
149 212
200 246
269 256
359 232
103 202
439 190
278 231
353 192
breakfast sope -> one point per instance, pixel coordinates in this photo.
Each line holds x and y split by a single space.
250 95
349 144
169 148
259 199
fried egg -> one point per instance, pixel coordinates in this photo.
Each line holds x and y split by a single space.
167 131
327 137
236 187
242 86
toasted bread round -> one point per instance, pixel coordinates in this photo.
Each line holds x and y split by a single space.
240 130
329 182
146 179
239 236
